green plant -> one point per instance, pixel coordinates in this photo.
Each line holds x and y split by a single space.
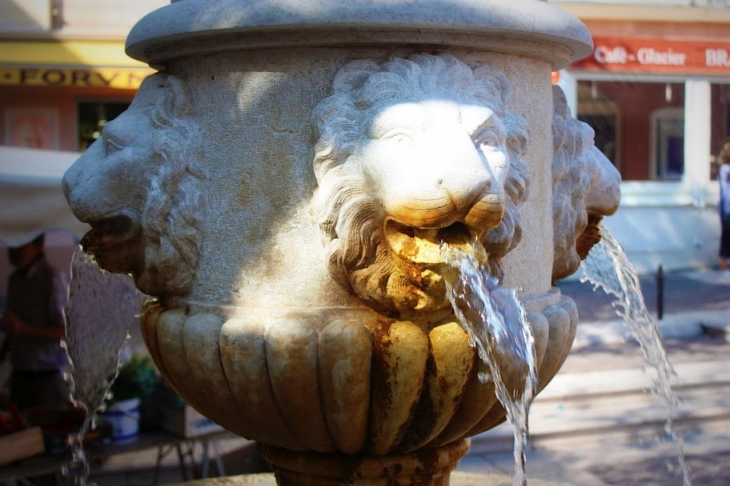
137 378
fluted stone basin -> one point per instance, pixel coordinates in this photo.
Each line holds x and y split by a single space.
283 187
340 380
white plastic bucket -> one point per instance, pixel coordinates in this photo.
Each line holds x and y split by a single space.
124 418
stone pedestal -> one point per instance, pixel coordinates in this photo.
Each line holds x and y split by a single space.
426 468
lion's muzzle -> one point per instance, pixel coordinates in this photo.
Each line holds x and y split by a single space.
423 245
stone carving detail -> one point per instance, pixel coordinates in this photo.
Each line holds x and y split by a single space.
411 152
139 187
586 187
340 380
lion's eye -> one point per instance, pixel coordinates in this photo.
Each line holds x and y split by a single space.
110 146
397 134
487 139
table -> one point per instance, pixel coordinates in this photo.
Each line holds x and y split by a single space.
165 442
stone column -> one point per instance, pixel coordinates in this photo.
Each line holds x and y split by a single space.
697 116
569 84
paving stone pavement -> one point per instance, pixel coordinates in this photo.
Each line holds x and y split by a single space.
621 439
684 291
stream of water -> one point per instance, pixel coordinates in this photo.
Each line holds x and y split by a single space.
100 310
496 323
607 267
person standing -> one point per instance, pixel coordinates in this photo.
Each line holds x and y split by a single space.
34 323
723 176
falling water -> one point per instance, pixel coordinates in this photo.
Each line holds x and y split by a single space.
608 267
497 327
101 307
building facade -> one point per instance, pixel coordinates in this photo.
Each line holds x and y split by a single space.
657 92
63 70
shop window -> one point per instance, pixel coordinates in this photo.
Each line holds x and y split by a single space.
92 118
606 129
668 143
638 125
602 114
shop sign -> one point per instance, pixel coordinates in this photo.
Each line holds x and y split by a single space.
656 55
79 78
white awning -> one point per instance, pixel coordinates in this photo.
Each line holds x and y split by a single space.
31 198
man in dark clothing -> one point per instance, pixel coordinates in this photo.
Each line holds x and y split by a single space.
35 326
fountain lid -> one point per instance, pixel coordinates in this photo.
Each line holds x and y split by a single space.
196 27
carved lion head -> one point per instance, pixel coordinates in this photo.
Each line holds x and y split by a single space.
411 153
138 186
586 187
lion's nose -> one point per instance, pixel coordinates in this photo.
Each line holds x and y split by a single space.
465 180
465 188
476 193
456 166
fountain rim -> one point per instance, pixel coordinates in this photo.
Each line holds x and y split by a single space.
187 28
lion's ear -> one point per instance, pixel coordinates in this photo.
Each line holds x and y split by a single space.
178 101
352 75
519 133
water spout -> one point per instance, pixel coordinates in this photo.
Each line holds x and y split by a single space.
498 329
607 267
101 308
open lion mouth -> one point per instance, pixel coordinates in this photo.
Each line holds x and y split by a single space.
111 231
423 245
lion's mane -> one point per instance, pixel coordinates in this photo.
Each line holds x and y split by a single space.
349 217
172 217
570 186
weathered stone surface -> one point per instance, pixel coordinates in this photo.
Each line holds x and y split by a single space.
518 27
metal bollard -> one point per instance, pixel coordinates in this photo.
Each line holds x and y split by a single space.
660 293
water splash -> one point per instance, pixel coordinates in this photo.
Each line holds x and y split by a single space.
101 307
498 329
608 267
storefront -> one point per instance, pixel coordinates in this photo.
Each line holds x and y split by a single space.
658 98
59 94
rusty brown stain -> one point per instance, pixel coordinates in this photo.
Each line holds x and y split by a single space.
589 237
382 395
422 417
410 248
429 460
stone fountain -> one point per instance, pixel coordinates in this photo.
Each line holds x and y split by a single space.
282 187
